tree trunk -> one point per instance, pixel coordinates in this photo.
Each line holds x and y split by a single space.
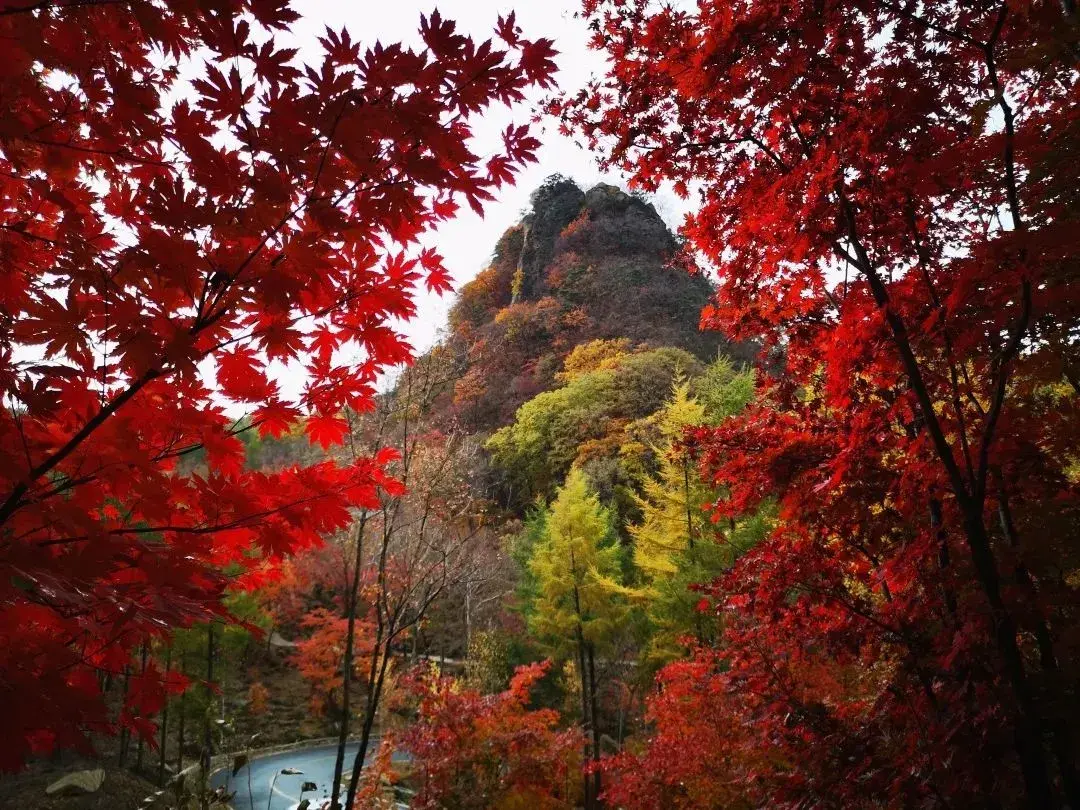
208 732
375 687
183 717
468 617
142 672
1027 728
586 723
1064 746
944 557
125 735
346 708
163 735
595 728
343 731
686 496
586 704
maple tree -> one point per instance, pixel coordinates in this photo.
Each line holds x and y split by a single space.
258 698
184 205
884 196
489 751
319 655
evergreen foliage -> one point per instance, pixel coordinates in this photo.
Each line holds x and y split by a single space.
578 570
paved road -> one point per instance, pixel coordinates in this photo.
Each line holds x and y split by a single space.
317 765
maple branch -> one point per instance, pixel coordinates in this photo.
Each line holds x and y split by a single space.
59 6
21 231
1012 347
735 140
255 333
930 25
202 320
902 340
120 154
1008 352
1009 157
14 499
804 142
239 522
923 261
760 144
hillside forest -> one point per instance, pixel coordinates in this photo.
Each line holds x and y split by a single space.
775 507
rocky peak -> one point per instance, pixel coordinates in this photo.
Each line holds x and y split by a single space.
580 266
617 223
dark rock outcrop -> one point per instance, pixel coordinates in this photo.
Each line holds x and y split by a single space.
579 267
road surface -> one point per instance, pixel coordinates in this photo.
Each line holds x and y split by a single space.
317 765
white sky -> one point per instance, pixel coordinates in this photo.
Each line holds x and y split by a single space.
467 241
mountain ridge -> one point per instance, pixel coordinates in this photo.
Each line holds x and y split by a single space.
579 266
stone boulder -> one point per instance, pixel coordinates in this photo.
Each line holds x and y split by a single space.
77 783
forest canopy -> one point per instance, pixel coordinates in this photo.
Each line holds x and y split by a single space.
772 507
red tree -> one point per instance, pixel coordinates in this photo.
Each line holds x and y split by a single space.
481 751
164 242
319 655
887 194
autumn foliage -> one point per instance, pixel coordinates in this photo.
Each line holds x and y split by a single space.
258 698
318 656
881 196
184 206
882 611
490 751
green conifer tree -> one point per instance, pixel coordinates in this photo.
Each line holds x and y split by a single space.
581 603
676 545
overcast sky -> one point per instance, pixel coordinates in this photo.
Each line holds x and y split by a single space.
467 242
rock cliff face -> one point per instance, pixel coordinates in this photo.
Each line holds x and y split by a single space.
578 267
555 206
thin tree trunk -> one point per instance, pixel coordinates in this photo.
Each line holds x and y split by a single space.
139 748
585 716
347 671
699 627
163 738
375 687
1047 658
125 735
1027 725
689 513
595 728
184 712
621 722
1027 728
183 717
944 556
468 617
1064 746
208 732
